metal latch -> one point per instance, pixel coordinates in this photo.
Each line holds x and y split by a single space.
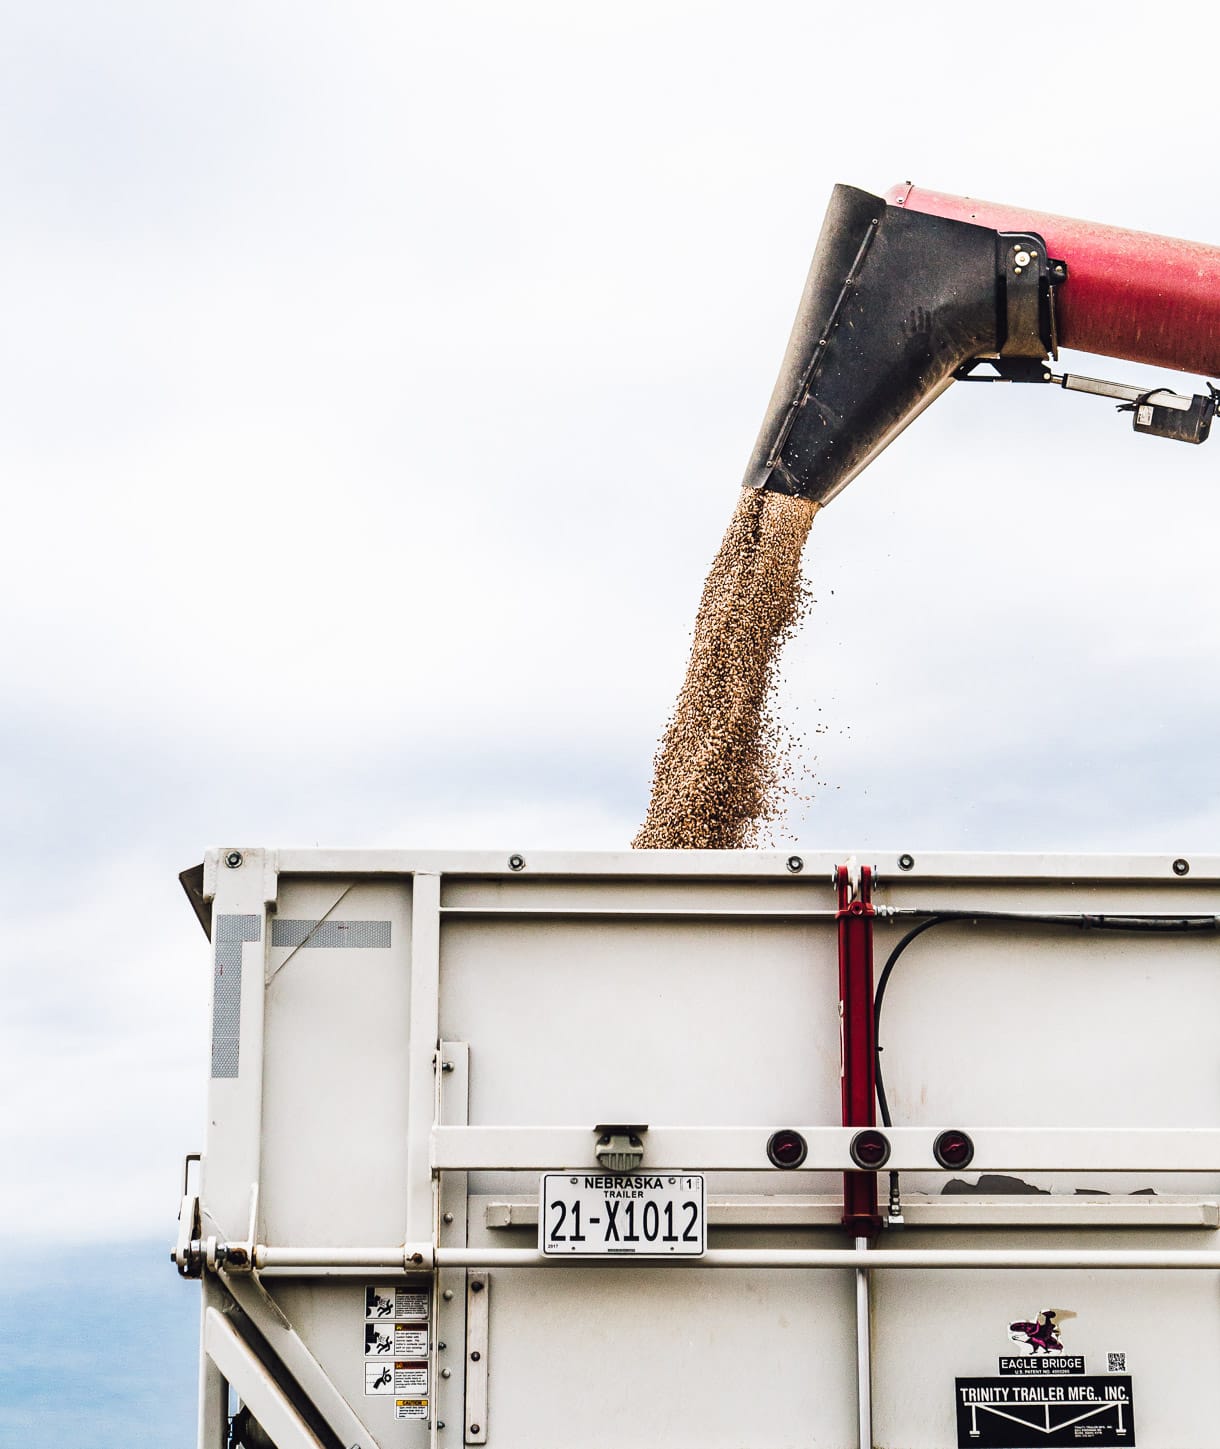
188 1252
620 1148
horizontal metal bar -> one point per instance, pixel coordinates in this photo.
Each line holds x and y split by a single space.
744 1149
409 1257
811 1258
667 866
632 913
866 1258
817 1210
349 1273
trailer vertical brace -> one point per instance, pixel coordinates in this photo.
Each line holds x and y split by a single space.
858 1039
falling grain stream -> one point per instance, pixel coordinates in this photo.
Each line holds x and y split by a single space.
724 766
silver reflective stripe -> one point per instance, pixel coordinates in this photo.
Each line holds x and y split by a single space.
329 933
230 933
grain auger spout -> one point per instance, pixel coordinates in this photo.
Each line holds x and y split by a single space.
911 292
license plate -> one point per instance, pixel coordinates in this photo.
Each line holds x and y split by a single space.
596 1215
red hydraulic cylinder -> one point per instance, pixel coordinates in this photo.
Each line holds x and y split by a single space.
859 1041
1128 294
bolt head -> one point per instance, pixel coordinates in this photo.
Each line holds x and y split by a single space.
1181 867
516 862
906 862
476 1286
233 859
795 864
1022 258
474 1428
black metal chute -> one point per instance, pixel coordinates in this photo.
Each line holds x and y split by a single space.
895 303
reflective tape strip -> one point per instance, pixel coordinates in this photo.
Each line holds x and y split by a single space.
330 934
231 932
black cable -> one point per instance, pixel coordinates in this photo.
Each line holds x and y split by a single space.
1166 925
882 982
1170 925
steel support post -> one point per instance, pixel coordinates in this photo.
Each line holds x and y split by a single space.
864 1352
858 1071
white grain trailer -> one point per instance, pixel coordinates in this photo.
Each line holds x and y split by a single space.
584 1151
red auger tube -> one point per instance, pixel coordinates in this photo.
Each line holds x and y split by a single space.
1128 294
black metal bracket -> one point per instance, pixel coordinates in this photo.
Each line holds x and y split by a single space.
1006 369
1027 278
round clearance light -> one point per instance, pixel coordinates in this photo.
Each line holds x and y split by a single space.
787 1148
953 1149
870 1149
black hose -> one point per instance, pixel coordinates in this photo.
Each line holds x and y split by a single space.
1164 925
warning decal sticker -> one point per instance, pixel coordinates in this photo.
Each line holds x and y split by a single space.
395 1347
1015 1413
410 1378
410 1340
395 1303
378 1378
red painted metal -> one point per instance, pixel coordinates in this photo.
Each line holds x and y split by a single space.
1128 294
859 1040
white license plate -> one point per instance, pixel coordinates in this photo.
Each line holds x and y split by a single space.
596 1215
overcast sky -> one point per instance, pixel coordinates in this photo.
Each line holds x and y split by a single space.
377 382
